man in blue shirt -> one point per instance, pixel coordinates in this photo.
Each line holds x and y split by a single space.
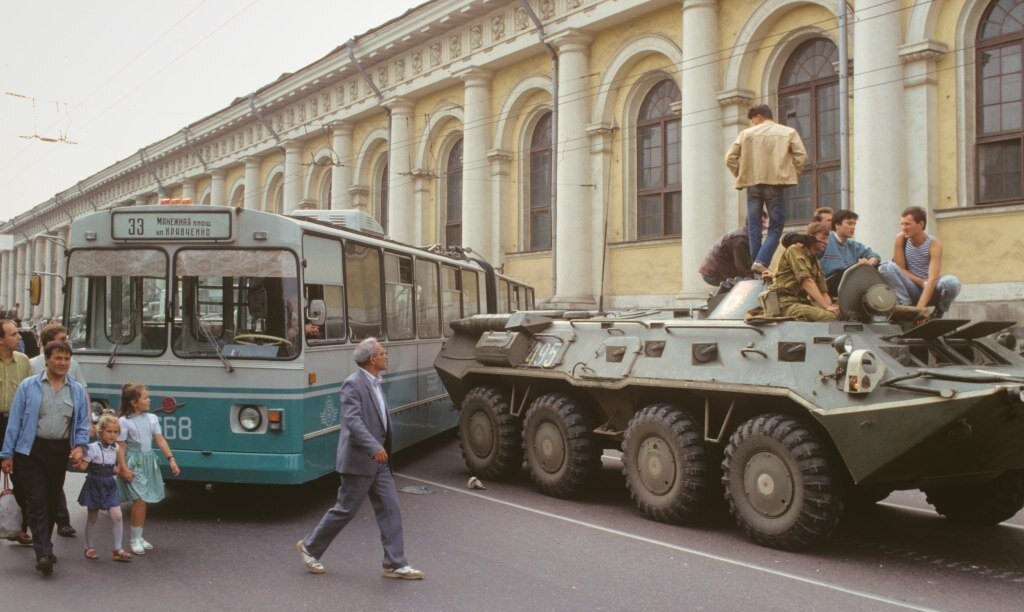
49 420
843 251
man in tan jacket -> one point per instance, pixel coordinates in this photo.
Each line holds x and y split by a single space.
765 159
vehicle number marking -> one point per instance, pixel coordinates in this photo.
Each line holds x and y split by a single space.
177 428
545 353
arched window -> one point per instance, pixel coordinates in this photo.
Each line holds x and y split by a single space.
326 189
275 195
658 209
1000 103
381 204
540 185
238 196
453 196
809 103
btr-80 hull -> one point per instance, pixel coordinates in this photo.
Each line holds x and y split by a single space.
791 421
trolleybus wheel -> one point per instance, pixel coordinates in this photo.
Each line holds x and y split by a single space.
664 463
779 483
560 451
491 438
983 503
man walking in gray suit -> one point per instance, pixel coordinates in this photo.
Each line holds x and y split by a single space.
364 454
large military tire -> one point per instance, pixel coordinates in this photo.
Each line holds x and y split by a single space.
780 484
665 465
490 437
985 503
561 452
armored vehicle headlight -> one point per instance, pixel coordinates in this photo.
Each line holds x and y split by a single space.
1008 339
843 344
250 418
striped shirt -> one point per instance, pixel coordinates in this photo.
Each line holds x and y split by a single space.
918 258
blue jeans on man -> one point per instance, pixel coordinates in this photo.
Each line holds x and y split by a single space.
770 198
908 292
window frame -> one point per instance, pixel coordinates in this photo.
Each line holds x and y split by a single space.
666 189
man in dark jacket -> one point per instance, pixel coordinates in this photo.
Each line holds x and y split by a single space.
729 257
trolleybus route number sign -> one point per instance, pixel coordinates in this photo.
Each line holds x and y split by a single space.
129 225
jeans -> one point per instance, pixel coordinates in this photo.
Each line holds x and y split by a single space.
41 476
759 198
908 293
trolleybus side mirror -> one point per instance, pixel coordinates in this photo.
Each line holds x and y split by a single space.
316 312
35 289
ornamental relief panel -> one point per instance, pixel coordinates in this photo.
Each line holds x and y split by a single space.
498 27
547 9
455 45
353 90
476 37
400 70
435 55
521 19
417 62
382 78
314 107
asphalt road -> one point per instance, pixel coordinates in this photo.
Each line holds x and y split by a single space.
511 548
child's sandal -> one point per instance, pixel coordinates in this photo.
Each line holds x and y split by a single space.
122 555
90 553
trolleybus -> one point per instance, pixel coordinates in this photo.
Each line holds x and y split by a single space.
242 324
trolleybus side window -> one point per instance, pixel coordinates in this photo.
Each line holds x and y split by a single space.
324 290
363 292
502 295
470 293
110 291
236 304
428 320
451 297
398 289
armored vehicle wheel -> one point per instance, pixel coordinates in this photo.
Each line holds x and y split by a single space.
560 451
664 463
985 503
491 438
779 483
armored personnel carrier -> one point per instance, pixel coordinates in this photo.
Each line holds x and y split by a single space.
789 421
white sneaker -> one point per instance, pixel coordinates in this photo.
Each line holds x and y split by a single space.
137 547
403 573
146 544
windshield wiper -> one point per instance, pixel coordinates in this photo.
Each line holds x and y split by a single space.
204 328
122 341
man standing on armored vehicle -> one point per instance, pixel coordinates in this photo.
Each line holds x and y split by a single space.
765 159
799 282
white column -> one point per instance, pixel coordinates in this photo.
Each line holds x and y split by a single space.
600 166
422 187
38 251
401 216
879 163
47 285
574 285
252 182
188 189
476 130
500 162
24 266
344 160
5 261
735 104
217 187
921 96
292 175
702 151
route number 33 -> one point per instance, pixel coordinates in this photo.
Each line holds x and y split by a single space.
177 428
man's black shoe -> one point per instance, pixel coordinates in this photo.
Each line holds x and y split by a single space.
66 531
45 565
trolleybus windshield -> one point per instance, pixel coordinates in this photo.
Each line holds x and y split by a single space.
116 301
239 304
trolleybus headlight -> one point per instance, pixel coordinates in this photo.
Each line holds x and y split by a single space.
250 418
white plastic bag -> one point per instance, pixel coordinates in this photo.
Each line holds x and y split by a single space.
10 513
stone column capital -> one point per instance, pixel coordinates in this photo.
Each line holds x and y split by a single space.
292 147
342 128
738 97
252 160
398 105
218 173
474 77
571 41
924 50
691 4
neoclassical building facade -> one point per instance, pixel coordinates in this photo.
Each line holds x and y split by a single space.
579 143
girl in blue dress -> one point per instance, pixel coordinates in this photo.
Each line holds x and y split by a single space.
100 489
140 482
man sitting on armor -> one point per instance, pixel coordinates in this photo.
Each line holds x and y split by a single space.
799 281
915 272
842 251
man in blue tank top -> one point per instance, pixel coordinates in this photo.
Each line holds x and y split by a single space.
915 271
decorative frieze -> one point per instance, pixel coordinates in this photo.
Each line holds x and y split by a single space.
435 55
522 21
400 70
455 46
382 77
417 62
547 9
476 37
498 27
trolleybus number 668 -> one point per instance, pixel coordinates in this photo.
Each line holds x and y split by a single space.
177 428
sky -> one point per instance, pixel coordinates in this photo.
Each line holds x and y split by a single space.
84 84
